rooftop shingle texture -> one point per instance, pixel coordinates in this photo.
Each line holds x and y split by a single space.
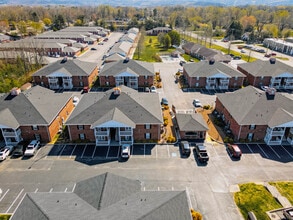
106 189
266 68
140 108
207 69
73 67
191 122
44 206
138 67
36 106
253 106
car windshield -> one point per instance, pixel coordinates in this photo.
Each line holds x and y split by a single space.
1 153
186 146
30 147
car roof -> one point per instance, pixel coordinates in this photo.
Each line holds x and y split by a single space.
201 147
33 142
236 148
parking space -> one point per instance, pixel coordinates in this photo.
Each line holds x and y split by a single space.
282 153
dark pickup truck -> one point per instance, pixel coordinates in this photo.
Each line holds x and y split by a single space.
201 153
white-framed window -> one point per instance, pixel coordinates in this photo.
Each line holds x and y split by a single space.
147 136
197 78
145 76
80 77
252 127
236 78
80 127
147 126
262 77
35 127
81 136
196 84
80 83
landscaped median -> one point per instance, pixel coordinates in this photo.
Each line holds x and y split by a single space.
5 216
258 199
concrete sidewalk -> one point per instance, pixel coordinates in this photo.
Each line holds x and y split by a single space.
275 193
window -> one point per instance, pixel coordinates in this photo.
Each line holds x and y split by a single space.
80 127
80 77
80 83
236 78
81 136
147 126
35 127
38 137
197 78
252 127
147 136
196 84
145 76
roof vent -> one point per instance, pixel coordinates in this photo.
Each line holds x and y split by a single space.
272 60
15 91
116 91
126 60
211 61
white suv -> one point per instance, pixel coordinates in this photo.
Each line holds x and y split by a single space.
125 151
4 153
32 148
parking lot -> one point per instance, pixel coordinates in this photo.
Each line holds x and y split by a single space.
57 168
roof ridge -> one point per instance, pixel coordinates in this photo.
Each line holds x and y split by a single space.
39 207
164 203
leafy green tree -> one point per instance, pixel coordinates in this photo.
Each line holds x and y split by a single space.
58 22
161 38
167 41
234 31
175 37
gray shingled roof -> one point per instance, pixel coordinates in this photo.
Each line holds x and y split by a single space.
121 47
114 57
266 68
44 206
73 67
206 69
36 106
252 106
105 197
191 122
138 67
140 108
106 189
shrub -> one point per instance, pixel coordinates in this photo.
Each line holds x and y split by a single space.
228 140
171 139
206 107
195 215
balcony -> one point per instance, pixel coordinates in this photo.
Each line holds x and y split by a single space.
102 143
273 80
224 81
9 134
276 132
126 142
101 133
126 133
210 81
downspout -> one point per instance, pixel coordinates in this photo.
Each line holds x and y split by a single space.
239 132
69 134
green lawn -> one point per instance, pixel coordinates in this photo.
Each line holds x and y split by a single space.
256 198
285 188
4 216
151 50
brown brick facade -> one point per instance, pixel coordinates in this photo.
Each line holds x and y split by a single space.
199 135
255 81
241 132
47 133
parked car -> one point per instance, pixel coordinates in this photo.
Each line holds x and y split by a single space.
164 101
153 89
185 148
4 152
93 48
75 100
237 58
264 88
125 151
10 149
196 103
32 148
182 62
234 150
201 153
86 89
18 151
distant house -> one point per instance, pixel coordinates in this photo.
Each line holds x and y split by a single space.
118 116
270 73
37 113
284 46
66 74
255 115
105 197
212 75
191 126
121 48
202 53
157 30
127 72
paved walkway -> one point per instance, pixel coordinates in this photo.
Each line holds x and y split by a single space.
275 193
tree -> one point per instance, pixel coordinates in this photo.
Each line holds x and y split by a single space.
234 31
175 37
21 26
161 38
167 41
195 215
248 22
58 22
47 21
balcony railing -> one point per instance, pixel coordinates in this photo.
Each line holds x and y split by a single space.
9 134
100 143
101 133
211 81
126 142
126 133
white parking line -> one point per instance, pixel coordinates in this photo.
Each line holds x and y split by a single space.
4 195
36 190
156 151
287 151
249 148
274 151
158 188
168 151
263 151
51 190
37 152
108 151
94 152
83 151
7 211
73 187
19 202
61 151
72 151
65 190
144 150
